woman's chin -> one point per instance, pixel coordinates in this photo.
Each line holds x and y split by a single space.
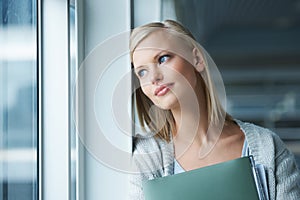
169 105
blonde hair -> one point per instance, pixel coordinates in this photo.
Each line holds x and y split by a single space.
159 121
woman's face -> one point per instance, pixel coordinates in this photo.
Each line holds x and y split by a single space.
163 65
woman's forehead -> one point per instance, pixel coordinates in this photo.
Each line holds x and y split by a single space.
146 56
161 41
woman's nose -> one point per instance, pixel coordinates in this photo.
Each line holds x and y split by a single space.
156 76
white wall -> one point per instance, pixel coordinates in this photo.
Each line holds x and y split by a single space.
98 21
146 11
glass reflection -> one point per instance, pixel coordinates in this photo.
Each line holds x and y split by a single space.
18 104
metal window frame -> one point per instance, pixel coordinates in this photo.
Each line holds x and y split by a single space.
53 100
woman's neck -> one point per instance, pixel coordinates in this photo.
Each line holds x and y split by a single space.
191 118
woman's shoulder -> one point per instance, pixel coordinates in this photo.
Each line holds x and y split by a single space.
258 133
263 142
147 144
152 154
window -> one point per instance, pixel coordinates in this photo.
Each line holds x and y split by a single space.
18 105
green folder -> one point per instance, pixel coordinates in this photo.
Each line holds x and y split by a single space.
231 180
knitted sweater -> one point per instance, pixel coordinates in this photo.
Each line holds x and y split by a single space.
154 158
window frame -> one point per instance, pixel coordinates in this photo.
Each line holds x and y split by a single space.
53 100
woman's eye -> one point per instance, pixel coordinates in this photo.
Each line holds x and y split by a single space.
163 59
141 73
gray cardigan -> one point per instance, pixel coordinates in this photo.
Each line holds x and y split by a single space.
154 158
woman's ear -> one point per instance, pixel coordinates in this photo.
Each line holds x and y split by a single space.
198 60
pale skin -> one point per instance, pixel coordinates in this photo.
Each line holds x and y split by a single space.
171 81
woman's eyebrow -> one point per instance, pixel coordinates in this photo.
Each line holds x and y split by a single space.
155 57
135 68
159 54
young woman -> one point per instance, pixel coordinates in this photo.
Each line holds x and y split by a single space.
186 126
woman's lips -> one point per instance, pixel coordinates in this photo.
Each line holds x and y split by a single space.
162 89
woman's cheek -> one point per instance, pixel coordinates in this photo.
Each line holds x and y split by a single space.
146 90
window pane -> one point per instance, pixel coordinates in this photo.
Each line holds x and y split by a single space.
18 104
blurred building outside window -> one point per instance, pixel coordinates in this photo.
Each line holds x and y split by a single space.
18 100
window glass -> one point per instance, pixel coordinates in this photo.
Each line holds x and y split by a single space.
18 100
